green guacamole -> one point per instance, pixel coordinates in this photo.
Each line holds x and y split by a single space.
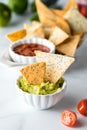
42 89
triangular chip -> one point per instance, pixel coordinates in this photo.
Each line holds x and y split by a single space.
35 31
60 22
48 29
63 24
80 34
69 46
34 73
77 22
59 12
70 4
56 65
58 36
47 16
44 11
17 35
48 22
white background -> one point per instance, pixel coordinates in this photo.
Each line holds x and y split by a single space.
16 115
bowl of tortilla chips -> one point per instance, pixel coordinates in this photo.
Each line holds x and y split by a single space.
42 83
58 26
22 51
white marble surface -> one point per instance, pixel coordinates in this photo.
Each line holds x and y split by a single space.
16 115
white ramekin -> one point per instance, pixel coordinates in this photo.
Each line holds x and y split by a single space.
29 59
42 102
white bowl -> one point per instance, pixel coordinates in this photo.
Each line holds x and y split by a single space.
42 102
29 59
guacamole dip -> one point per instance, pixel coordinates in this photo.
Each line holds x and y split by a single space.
42 89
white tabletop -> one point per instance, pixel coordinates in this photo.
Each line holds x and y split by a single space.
16 115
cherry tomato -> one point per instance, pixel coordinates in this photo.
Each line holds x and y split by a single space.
82 107
69 118
84 11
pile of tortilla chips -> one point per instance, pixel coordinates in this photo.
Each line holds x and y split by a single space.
64 28
49 67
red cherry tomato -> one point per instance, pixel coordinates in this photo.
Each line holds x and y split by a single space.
69 118
84 11
82 107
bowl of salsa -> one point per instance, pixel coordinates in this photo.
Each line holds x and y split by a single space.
82 6
23 50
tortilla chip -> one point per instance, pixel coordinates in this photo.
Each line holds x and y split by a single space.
49 23
34 73
60 22
48 31
63 24
35 31
69 46
47 16
78 33
77 22
16 35
81 34
58 12
58 36
44 11
56 65
26 26
70 4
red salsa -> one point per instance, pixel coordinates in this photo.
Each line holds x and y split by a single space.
83 9
28 49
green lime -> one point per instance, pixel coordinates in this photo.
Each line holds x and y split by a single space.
18 6
5 15
34 17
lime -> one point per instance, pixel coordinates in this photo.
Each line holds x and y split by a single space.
34 17
18 6
5 15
